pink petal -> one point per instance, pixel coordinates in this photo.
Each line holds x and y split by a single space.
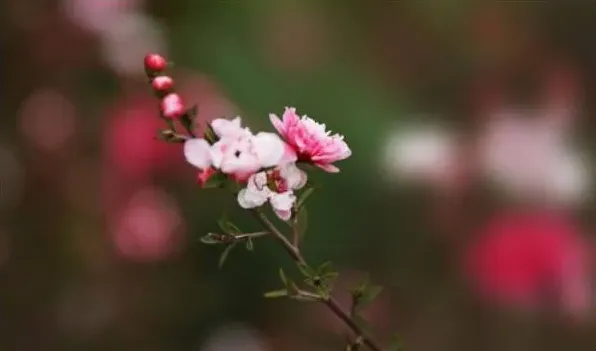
277 124
327 167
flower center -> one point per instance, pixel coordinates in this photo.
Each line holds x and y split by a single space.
276 182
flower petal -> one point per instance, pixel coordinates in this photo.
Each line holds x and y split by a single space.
277 124
198 153
268 148
327 167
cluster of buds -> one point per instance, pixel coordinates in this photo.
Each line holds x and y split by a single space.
171 105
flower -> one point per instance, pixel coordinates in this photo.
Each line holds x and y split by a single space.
162 84
172 106
155 63
310 140
423 154
522 258
276 186
240 153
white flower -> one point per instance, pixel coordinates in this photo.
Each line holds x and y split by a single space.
245 154
276 186
426 153
531 157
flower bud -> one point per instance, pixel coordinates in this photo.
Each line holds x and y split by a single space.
162 84
155 63
172 106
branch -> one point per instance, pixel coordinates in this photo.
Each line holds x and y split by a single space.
330 302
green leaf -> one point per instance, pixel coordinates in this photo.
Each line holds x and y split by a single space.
324 268
396 344
369 295
306 270
224 255
217 180
301 222
306 193
187 119
250 246
283 277
276 293
227 226
211 239
210 135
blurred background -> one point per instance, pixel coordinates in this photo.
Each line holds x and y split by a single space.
468 195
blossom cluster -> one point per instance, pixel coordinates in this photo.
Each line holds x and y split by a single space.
263 163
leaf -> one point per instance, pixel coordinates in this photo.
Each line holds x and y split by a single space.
306 193
210 135
369 295
301 222
324 268
396 344
187 119
276 293
224 255
211 239
306 270
215 181
250 246
283 277
227 226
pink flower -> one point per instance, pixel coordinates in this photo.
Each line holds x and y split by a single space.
310 140
172 106
276 186
521 259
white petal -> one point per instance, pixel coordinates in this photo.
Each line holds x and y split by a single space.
248 198
283 201
283 215
217 153
228 128
294 176
198 153
268 148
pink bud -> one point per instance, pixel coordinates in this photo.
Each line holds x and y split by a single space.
162 84
172 106
155 63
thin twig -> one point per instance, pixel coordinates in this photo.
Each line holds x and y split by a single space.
330 302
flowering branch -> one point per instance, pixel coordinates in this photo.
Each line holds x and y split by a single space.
264 168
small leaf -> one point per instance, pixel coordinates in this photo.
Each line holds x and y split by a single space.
369 295
396 343
215 181
283 277
187 119
211 239
250 245
301 222
306 193
276 293
224 255
227 226
210 135
324 268
306 270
